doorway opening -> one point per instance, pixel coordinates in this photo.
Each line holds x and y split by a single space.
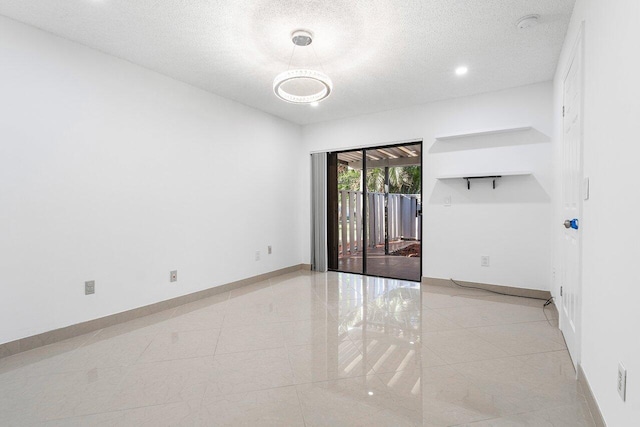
374 211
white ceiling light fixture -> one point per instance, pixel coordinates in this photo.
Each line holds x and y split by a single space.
461 71
527 21
319 79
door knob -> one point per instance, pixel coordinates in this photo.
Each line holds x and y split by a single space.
571 223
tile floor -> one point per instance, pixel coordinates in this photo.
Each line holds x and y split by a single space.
308 349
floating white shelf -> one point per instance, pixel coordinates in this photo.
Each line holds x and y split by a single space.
483 133
489 175
480 175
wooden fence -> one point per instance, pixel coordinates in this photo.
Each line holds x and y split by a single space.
403 219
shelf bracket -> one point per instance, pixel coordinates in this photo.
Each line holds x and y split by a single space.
491 177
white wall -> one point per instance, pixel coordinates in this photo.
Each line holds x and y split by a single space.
510 223
113 173
610 284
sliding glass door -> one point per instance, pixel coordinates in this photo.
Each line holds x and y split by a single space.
374 211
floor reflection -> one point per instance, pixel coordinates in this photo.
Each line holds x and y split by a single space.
382 319
438 356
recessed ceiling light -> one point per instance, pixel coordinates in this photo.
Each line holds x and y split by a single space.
461 71
370 393
315 104
527 21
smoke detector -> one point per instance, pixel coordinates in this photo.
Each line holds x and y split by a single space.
527 21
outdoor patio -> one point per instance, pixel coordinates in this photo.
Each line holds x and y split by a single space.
401 226
379 264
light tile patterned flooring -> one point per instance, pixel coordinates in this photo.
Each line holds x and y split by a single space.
308 349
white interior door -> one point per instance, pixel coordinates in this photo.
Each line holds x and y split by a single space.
570 299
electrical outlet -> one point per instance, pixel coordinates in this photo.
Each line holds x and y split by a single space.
173 276
484 261
622 381
257 255
269 251
90 287
447 201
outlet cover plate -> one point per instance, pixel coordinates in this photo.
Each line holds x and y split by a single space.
90 287
257 255
622 381
269 251
484 261
173 276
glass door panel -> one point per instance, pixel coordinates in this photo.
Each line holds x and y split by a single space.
350 220
393 183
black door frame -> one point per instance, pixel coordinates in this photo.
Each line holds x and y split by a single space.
332 206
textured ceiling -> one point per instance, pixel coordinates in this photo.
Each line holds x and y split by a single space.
380 54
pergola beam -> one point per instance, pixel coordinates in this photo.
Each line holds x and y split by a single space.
387 163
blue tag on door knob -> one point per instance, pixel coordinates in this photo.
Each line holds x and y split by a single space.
574 223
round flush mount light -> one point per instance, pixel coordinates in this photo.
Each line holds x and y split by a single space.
461 71
527 21
310 86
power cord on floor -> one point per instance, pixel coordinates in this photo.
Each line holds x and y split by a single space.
547 301
499 293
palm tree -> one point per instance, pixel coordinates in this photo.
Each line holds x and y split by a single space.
402 180
348 179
